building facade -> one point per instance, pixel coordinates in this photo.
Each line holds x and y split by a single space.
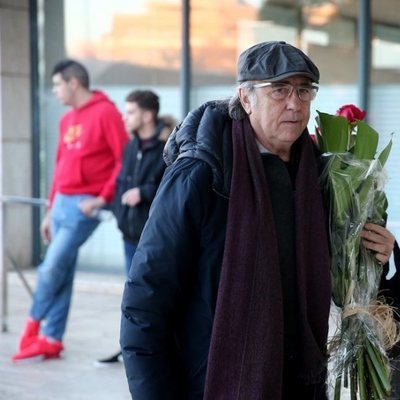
130 44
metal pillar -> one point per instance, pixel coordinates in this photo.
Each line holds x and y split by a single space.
364 56
186 68
35 116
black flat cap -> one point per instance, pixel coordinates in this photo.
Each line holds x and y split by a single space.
274 61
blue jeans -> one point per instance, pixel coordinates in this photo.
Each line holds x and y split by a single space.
69 229
129 249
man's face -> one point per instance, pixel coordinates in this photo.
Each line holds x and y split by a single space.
133 117
278 123
62 90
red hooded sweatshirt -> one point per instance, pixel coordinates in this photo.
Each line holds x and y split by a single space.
89 151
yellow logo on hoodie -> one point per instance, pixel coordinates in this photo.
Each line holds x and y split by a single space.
71 137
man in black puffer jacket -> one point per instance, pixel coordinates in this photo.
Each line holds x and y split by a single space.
228 295
141 172
142 167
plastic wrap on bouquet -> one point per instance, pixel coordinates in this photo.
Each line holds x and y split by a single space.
358 349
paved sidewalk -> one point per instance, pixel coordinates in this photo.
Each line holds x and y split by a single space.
92 333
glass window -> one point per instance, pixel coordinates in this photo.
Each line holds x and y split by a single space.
326 31
126 45
385 93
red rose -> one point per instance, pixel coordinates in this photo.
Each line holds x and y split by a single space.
351 113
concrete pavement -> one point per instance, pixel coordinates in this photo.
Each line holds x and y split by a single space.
92 333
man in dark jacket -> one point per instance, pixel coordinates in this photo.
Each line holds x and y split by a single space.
141 171
228 296
142 167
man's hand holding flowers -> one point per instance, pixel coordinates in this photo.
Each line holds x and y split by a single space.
379 240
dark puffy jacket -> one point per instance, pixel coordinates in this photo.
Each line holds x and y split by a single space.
143 167
169 299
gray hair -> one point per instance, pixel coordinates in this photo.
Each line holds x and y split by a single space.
236 110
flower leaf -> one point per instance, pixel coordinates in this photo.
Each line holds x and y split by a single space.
385 153
366 142
334 132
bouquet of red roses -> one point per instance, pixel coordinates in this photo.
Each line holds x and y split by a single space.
353 181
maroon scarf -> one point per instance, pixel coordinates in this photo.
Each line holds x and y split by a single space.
246 350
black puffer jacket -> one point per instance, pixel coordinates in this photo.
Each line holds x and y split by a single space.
142 167
206 134
169 299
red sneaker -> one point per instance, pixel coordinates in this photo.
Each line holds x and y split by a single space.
40 349
29 334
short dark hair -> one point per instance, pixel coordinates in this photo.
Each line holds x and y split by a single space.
72 69
146 99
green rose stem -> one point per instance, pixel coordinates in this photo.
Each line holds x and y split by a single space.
361 375
380 373
338 387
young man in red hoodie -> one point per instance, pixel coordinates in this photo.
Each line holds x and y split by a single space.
91 140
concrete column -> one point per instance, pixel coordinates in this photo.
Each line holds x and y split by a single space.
15 133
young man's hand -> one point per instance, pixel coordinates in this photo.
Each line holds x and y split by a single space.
87 206
131 197
45 228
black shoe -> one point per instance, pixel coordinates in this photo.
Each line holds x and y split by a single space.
116 358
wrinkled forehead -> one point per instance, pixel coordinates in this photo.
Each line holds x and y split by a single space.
293 80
